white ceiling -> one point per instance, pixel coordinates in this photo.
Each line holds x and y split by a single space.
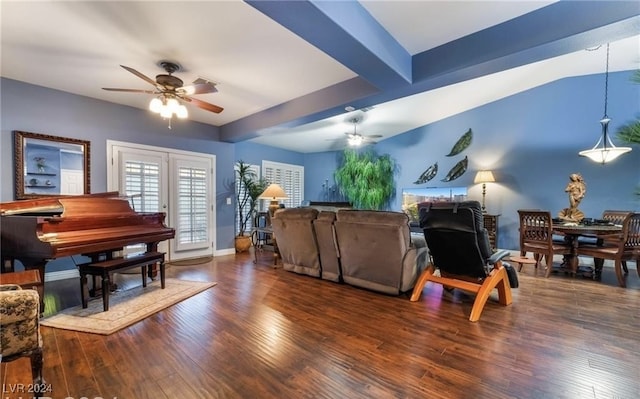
77 47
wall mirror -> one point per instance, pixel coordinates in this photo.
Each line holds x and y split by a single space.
50 166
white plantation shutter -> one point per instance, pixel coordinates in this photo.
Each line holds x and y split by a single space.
142 185
192 207
289 177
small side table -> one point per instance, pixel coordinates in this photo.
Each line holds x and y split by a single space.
523 260
491 224
262 239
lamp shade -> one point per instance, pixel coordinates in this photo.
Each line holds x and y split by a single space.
604 151
273 192
484 176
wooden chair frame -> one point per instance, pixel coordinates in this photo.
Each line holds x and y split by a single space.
536 236
617 217
497 278
619 248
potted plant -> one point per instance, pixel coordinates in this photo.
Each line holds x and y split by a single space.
366 179
247 192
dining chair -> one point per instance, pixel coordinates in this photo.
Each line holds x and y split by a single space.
536 236
616 217
461 255
618 247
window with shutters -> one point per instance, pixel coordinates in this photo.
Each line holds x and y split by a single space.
142 185
192 206
289 177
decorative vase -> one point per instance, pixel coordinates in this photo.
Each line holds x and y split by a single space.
243 243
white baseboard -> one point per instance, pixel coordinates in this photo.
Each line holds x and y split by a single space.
223 252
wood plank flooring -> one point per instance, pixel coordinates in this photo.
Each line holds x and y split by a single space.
267 333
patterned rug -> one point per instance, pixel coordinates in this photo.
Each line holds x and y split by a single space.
125 307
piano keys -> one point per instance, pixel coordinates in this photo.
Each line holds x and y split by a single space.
95 225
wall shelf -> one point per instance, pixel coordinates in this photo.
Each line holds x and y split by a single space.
41 174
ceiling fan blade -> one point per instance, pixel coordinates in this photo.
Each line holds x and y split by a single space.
373 136
200 88
204 105
129 90
140 75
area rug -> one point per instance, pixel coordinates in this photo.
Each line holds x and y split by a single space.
125 307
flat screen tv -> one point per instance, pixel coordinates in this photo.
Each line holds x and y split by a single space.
411 197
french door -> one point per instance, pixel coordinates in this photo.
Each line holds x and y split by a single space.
175 182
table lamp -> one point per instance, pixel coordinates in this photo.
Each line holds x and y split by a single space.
484 177
273 193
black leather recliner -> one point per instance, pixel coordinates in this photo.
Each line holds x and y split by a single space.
459 248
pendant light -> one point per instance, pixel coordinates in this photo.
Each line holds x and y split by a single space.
604 151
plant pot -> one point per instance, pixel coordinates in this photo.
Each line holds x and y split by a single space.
243 243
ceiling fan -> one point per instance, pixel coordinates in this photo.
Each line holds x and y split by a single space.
355 139
170 91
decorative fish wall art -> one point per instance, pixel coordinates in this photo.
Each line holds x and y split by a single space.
457 171
428 174
462 143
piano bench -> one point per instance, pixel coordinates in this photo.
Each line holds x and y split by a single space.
104 268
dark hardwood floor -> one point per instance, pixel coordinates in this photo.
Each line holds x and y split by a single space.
267 333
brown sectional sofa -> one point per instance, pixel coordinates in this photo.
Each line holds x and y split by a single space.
368 249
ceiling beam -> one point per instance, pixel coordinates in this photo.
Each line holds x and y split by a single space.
348 33
560 28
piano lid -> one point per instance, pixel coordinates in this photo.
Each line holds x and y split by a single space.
102 206
47 205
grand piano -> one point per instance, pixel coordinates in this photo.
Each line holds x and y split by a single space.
94 225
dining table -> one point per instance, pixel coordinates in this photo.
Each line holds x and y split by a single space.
572 233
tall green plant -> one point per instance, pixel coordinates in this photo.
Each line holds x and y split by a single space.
247 192
366 179
630 133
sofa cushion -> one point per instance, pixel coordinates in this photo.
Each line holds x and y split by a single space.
327 248
376 251
296 239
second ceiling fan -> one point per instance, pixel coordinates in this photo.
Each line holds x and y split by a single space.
355 139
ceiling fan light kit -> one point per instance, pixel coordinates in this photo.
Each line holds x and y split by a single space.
167 107
355 139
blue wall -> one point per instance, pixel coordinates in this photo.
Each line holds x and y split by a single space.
255 153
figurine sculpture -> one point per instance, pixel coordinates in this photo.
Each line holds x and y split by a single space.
41 163
576 190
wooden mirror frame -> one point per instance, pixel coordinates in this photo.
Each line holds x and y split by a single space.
35 178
